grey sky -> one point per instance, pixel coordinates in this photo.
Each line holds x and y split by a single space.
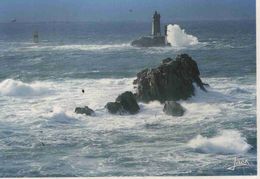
119 10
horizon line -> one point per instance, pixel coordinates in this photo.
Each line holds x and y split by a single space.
142 21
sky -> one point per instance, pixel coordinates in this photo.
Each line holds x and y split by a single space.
124 10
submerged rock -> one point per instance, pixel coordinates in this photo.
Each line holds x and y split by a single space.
172 80
173 108
125 103
84 110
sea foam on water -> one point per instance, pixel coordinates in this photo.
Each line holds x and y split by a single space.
177 37
227 142
10 87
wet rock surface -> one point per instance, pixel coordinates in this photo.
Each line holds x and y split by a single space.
115 108
149 42
125 103
172 80
173 108
84 110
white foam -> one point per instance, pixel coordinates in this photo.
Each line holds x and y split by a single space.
92 47
177 37
81 47
227 142
201 108
59 115
10 87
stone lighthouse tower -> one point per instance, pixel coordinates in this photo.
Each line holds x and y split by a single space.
157 39
156 26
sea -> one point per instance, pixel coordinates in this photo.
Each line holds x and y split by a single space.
41 85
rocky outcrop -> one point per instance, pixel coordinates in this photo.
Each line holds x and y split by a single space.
84 110
125 103
128 101
149 42
173 108
115 108
172 80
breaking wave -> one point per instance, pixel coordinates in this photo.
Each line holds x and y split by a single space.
59 115
10 87
227 142
177 37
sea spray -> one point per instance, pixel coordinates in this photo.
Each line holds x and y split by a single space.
10 87
61 116
177 37
227 142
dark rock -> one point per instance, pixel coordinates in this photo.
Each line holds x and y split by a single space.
167 60
115 108
125 103
84 110
128 101
173 108
172 80
149 42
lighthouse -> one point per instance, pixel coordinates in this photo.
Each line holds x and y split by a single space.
156 25
156 39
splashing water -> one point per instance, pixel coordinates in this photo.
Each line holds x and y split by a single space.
10 87
227 142
177 37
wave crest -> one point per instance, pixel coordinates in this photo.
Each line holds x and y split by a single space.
58 115
10 87
227 142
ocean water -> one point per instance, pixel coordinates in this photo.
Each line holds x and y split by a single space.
40 86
